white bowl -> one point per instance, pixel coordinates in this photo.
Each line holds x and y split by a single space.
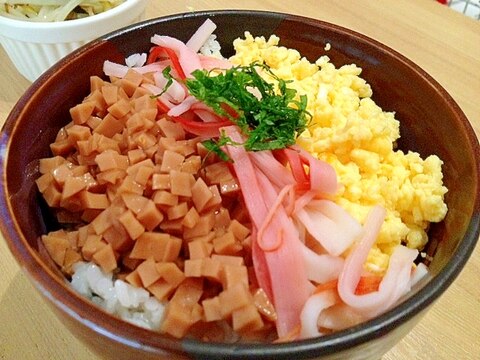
33 47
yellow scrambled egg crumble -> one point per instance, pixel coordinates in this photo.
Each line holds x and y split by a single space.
354 135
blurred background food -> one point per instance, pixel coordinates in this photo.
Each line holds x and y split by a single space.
54 10
470 8
38 34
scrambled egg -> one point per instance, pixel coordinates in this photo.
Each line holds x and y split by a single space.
354 135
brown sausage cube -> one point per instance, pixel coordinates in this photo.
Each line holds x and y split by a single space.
171 161
132 225
246 318
105 257
181 183
150 216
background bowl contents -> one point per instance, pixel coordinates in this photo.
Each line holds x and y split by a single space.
34 46
416 96
55 10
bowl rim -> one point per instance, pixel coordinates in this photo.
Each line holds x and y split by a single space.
129 334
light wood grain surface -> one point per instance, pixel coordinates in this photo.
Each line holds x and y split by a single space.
444 43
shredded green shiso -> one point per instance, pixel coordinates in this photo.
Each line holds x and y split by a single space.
269 114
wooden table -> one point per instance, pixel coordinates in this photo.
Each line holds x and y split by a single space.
443 42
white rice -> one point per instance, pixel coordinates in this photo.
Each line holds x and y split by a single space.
211 47
136 60
117 297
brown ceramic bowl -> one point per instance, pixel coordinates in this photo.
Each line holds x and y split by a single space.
431 123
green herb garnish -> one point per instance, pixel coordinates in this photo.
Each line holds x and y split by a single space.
215 146
169 77
269 116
